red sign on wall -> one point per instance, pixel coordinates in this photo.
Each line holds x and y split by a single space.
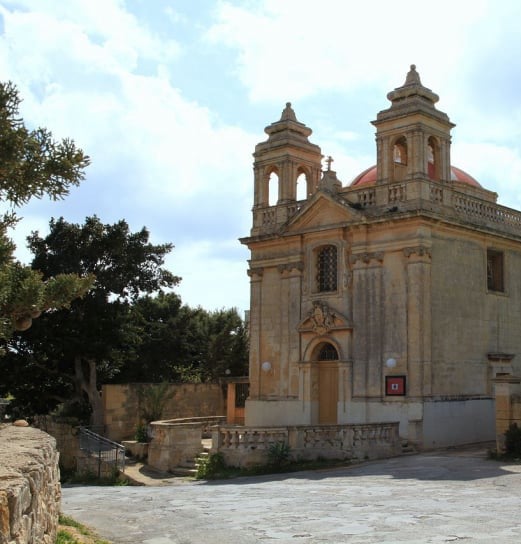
395 385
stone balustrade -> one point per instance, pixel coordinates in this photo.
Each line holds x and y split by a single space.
247 446
29 486
488 212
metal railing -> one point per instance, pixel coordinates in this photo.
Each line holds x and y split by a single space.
104 450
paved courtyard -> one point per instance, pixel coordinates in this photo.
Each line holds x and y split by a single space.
448 496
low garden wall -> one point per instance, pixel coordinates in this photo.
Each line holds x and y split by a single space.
29 486
188 400
66 435
176 442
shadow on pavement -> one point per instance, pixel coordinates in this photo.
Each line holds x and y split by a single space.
457 464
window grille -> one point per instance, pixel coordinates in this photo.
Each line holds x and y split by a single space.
327 269
328 353
242 390
495 281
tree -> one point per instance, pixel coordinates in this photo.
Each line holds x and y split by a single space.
69 353
32 164
183 344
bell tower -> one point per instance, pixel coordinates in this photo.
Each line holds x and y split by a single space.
283 157
412 136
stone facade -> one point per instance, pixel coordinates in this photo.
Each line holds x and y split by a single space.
395 298
29 486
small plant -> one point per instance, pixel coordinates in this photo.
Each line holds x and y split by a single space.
73 532
210 467
116 478
64 537
278 454
141 434
513 441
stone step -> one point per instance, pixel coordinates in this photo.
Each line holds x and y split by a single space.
184 471
189 466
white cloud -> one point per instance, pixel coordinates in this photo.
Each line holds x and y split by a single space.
496 167
300 47
220 283
124 89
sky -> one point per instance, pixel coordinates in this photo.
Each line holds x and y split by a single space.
169 98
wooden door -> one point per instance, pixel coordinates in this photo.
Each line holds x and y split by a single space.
328 392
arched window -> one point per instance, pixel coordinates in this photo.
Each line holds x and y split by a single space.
400 159
327 268
302 187
273 189
400 151
433 164
327 352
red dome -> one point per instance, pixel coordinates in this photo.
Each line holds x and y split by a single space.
368 177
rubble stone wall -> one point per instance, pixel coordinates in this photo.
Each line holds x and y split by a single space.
66 436
30 489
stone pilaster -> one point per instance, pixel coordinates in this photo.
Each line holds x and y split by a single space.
368 304
291 281
255 327
418 321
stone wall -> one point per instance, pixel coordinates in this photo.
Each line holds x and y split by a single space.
66 436
29 486
177 442
508 406
122 414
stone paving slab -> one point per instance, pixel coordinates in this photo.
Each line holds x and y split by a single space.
439 497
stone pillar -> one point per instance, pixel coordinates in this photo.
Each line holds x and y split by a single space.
255 324
418 321
416 163
445 174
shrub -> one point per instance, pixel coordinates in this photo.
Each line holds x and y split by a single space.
210 467
513 440
278 454
141 434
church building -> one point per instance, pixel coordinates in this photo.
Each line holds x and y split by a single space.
394 298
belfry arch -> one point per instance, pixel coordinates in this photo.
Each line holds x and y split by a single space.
433 158
400 159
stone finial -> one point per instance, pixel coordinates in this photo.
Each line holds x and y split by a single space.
412 89
413 77
288 124
288 114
